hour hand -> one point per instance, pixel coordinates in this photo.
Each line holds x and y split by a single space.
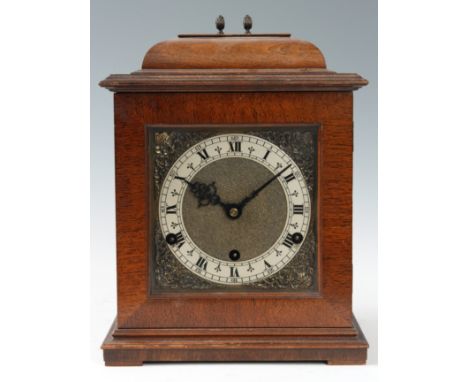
205 193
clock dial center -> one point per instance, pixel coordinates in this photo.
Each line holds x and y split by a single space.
252 229
234 212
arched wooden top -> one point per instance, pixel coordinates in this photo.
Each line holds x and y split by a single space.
234 53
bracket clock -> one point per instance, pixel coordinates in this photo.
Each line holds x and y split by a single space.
233 156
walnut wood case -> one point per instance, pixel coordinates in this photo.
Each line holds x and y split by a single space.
231 81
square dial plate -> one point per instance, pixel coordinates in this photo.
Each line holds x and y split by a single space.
214 225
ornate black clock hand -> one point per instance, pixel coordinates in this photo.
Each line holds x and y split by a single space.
258 190
205 193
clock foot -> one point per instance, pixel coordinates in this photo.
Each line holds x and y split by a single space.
335 346
346 361
121 363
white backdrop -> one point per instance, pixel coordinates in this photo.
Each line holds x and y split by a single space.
122 32
45 281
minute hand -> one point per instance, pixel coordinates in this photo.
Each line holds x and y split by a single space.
258 190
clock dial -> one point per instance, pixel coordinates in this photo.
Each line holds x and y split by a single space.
234 209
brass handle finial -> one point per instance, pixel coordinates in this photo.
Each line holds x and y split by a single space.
247 24
220 24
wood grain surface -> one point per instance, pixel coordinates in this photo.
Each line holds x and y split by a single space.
332 307
233 52
233 80
134 351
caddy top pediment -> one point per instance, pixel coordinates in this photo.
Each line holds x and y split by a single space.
263 52
233 63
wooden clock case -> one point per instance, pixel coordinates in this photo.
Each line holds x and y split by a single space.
230 80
